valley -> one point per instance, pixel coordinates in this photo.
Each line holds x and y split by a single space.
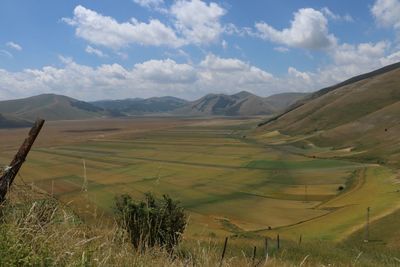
231 180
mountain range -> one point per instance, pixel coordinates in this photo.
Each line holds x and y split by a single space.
240 104
19 112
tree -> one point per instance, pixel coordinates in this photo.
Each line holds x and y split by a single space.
152 221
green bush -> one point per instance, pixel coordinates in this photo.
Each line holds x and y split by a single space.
151 222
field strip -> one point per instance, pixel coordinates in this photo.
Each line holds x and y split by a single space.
296 223
219 166
187 143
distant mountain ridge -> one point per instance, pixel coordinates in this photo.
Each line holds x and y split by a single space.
19 112
240 104
49 107
140 106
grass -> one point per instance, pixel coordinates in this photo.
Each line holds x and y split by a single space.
218 175
37 230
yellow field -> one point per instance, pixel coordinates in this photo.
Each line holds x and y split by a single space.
229 180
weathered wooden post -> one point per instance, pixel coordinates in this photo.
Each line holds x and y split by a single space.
266 248
11 171
278 242
300 239
223 252
254 256
366 239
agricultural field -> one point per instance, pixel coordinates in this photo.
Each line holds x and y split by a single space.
230 179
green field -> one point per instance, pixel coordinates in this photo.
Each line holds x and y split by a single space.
230 181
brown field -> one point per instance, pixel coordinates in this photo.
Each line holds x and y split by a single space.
228 181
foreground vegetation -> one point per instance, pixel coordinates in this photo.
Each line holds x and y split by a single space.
37 230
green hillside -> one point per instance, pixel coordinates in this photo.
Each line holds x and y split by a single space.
240 104
49 107
361 115
139 106
9 122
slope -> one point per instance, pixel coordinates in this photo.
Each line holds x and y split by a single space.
49 107
240 104
362 114
139 106
9 122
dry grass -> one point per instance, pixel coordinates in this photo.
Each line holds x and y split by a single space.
37 230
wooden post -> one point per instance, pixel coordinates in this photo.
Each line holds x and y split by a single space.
254 255
223 251
300 239
367 226
8 177
278 242
265 251
85 183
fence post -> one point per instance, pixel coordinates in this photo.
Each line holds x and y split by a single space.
8 176
254 255
223 251
300 239
278 242
367 226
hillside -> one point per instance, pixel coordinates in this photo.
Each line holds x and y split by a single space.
49 107
139 106
361 113
240 104
8 122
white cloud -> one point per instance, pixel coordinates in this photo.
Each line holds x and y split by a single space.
5 53
298 74
387 13
351 60
213 74
149 3
281 49
106 31
337 17
165 71
231 75
215 63
198 21
150 78
391 59
94 51
361 54
224 44
157 5
309 30
14 46
232 29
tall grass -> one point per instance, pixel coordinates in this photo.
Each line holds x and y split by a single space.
37 230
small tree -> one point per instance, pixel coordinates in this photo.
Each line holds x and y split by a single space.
152 221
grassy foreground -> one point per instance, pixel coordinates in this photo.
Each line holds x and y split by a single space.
37 230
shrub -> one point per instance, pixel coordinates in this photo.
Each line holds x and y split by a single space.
151 222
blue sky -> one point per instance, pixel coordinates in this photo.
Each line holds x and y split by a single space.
187 48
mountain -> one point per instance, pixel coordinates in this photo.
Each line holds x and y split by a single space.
240 104
362 113
57 107
139 106
8 122
49 107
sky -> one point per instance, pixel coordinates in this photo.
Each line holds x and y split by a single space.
101 49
